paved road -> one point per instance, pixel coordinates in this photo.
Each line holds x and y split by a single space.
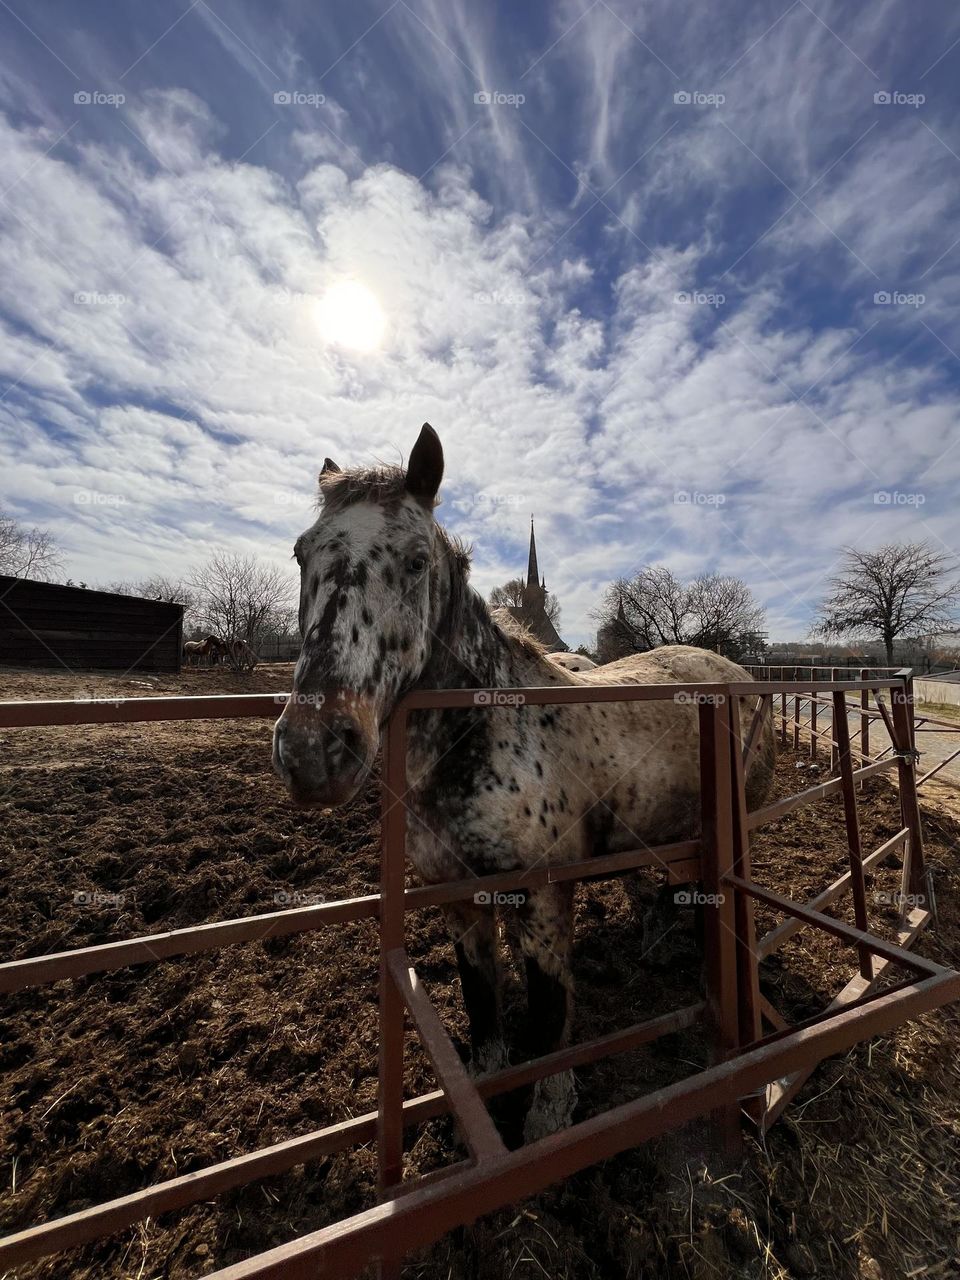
934 744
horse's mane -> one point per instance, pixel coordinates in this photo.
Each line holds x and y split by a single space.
517 631
386 484
339 489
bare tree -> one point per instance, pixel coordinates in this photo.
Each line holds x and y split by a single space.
170 590
510 595
901 591
28 553
160 587
654 608
239 598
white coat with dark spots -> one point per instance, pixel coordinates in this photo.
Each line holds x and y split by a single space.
386 607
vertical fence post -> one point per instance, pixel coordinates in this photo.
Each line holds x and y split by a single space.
720 952
748 974
813 715
854 848
783 714
914 874
864 719
834 749
796 715
392 876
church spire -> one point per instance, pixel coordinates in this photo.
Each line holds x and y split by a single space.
533 573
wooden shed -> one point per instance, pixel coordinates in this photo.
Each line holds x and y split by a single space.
48 625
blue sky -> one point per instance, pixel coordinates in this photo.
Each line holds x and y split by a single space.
634 262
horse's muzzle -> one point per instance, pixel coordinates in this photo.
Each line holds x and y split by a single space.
324 746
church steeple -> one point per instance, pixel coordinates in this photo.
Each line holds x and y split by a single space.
531 610
533 572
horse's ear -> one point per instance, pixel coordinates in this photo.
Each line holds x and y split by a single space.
329 466
425 468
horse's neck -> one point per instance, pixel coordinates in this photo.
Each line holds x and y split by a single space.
470 651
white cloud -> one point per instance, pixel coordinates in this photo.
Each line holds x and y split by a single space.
204 397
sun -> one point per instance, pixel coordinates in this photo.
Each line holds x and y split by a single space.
350 315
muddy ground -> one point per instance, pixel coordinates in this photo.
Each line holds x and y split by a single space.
115 1081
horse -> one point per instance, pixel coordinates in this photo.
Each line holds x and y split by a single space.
240 655
386 607
195 650
572 661
219 650
210 647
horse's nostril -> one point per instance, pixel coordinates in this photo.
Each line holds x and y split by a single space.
348 740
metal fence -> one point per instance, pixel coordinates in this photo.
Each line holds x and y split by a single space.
809 705
759 1061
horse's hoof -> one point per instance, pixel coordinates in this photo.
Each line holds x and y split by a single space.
554 1101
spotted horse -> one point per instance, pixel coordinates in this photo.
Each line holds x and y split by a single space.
386 607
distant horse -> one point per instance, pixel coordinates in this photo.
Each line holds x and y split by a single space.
240 655
218 650
195 650
385 607
572 661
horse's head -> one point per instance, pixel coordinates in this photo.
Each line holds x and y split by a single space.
371 595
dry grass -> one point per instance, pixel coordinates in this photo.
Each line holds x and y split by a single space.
128 1078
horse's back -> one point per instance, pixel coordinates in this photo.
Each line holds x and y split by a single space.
671 664
685 664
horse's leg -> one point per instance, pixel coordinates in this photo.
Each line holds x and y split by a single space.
546 939
473 930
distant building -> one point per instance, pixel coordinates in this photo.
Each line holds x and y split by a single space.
50 624
614 638
533 611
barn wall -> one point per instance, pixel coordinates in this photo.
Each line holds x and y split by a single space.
45 624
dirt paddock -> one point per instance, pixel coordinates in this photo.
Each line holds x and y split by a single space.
115 1081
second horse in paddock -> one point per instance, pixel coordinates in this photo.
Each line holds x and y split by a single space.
386 607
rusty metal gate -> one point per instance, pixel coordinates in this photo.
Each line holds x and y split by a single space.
759 1060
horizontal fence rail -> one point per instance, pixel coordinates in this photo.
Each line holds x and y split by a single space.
759 1070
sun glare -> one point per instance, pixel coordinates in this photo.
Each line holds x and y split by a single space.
350 315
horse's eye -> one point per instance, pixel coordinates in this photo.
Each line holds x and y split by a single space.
416 564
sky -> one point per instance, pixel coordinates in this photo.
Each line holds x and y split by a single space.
680 280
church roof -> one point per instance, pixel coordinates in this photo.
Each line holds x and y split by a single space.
533 573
